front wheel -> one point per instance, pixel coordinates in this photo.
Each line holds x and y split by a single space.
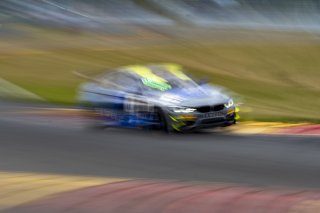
163 124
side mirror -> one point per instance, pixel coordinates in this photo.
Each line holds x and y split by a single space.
203 82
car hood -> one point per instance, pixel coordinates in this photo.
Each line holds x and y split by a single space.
192 97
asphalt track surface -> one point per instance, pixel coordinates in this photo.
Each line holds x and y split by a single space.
61 146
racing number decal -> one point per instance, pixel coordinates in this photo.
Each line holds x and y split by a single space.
129 103
134 104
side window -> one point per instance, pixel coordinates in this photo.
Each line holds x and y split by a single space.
109 80
125 82
129 83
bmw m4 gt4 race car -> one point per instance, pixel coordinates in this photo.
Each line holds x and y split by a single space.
156 96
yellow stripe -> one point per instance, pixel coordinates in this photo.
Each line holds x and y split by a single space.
145 72
18 187
177 71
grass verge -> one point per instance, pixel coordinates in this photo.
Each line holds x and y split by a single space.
278 80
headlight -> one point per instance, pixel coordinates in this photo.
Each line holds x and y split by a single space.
229 104
182 109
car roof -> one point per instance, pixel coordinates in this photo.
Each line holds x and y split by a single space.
156 71
159 76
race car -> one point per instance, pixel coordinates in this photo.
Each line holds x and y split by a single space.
156 96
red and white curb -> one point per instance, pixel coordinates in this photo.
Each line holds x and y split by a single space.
145 196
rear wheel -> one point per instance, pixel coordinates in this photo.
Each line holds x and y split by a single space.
97 120
93 117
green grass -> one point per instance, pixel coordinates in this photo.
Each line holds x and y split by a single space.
277 80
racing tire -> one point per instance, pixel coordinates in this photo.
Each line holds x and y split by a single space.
93 119
163 124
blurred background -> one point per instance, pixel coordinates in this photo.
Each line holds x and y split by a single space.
266 51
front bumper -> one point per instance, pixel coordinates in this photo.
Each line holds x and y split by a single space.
193 121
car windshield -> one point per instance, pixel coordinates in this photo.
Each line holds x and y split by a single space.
170 79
